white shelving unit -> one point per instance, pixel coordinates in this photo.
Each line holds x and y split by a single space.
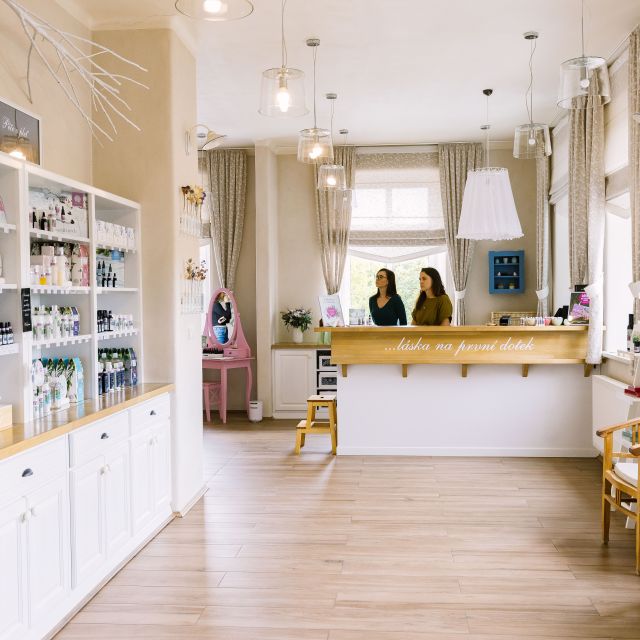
16 181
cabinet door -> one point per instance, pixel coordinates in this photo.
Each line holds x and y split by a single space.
13 612
116 498
141 480
87 509
47 548
294 374
161 453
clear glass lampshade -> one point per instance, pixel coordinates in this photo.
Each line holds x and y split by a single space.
488 208
584 83
531 141
331 177
282 93
215 10
315 146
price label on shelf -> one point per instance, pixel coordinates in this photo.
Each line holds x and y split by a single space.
25 296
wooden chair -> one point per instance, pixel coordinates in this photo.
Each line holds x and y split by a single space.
311 425
210 389
622 476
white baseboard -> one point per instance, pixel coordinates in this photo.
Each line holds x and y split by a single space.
479 452
183 512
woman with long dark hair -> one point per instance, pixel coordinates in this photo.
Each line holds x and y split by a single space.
386 306
433 306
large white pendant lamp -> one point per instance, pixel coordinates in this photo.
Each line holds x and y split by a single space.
584 80
331 177
314 144
488 208
531 140
282 91
215 10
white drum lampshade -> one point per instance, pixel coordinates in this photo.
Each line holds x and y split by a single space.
531 141
488 208
331 177
215 10
583 82
282 93
315 146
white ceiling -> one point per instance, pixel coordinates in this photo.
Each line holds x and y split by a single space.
406 71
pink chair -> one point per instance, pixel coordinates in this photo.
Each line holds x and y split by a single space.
211 392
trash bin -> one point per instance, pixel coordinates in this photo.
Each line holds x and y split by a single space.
255 410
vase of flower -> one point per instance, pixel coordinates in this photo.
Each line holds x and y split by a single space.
299 320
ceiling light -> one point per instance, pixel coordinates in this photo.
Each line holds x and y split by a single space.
584 81
332 177
205 140
282 92
488 208
531 140
215 10
314 145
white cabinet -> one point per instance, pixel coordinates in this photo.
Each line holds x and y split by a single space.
13 612
294 380
161 464
47 548
116 499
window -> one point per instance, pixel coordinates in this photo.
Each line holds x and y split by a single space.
396 223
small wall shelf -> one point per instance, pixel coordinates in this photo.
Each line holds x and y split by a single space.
57 236
506 271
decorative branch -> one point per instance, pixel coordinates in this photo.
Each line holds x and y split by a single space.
104 86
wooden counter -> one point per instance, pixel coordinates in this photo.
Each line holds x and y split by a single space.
299 345
464 345
20 437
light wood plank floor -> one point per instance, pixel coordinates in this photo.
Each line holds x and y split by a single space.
321 548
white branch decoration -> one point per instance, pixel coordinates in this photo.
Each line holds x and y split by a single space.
71 62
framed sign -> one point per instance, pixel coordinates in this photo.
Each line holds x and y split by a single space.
19 133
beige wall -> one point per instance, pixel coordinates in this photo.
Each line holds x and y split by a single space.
66 139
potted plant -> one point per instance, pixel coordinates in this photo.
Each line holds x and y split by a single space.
299 320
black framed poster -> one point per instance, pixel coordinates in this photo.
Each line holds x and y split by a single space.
19 133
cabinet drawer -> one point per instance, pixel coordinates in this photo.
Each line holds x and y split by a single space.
97 438
150 413
32 469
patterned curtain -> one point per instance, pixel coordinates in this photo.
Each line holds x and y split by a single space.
226 172
333 210
634 155
542 235
587 212
456 160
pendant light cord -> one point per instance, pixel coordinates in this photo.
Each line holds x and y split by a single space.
488 138
582 25
315 122
331 125
528 100
284 43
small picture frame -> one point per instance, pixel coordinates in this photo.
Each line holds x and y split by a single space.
20 133
331 311
579 308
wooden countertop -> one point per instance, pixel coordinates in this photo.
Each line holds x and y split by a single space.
299 345
482 328
20 437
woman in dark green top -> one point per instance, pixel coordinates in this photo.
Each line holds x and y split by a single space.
433 306
386 306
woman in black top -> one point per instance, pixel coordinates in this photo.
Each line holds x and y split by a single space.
386 306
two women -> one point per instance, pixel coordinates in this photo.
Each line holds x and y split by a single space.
433 306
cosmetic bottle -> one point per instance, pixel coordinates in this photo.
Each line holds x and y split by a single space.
630 333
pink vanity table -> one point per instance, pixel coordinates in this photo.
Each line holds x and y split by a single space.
236 351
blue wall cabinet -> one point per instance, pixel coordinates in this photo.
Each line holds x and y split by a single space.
506 271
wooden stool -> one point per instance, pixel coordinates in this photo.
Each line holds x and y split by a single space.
311 425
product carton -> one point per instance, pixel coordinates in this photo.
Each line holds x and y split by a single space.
6 416
75 380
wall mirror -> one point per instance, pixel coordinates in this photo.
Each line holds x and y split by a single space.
223 329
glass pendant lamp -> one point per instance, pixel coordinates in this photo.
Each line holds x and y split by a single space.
314 144
282 91
584 80
215 10
531 140
332 177
488 208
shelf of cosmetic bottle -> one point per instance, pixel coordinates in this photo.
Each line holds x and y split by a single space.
7 228
110 335
47 288
8 287
57 236
61 342
117 290
114 247
8 349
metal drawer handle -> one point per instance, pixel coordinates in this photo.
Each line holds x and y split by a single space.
104 436
152 412
26 473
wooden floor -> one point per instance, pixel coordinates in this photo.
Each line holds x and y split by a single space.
322 548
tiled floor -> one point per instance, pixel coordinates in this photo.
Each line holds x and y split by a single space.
321 548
